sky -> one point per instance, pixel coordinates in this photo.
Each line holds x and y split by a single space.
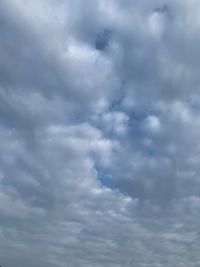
99 133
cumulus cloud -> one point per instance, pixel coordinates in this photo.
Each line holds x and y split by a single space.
99 127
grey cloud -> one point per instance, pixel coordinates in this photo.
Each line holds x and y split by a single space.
99 127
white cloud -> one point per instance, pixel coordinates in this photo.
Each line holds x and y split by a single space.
153 123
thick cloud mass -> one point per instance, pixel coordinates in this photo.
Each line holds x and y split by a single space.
99 133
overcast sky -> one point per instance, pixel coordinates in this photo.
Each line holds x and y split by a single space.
99 133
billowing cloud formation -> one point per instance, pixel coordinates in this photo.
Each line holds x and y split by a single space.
99 127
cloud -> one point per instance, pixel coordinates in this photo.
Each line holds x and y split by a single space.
99 128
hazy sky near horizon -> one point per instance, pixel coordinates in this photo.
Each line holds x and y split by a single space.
99 133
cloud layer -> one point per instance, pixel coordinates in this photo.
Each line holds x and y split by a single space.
99 129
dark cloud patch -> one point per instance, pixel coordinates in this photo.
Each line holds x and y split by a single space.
102 40
163 9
